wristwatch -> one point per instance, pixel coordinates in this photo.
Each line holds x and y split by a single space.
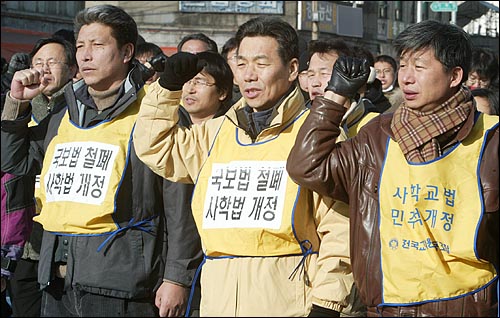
8 264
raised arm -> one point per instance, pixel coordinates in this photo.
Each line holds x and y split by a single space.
22 146
159 142
316 161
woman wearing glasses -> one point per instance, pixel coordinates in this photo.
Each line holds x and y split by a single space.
386 70
483 72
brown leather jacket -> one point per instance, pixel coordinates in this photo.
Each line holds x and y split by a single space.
350 172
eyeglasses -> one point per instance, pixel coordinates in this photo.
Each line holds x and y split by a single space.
51 63
384 71
198 82
471 81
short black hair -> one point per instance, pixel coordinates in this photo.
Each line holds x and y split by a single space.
148 47
215 65
69 48
452 46
123 26
485 63
363 52
66 34
230 44
212 45
388 59
276 28
324 46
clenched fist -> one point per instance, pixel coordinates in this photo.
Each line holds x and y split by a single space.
179 68
348 76
26 84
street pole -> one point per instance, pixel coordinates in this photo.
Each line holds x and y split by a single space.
419 11
315 19
454 16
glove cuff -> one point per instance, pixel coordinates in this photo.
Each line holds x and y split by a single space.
169 85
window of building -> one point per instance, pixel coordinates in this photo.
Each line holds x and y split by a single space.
398 11
382 9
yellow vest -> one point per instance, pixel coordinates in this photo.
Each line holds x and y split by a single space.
354 129
245 204
429 216
82 172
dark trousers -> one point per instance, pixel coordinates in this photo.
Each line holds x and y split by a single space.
4 306
24 290
77 303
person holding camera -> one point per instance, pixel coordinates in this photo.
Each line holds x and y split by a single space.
149 52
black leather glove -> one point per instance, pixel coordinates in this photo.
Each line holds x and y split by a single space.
179 68
348 76
318 311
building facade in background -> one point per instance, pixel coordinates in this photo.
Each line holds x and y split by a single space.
373 24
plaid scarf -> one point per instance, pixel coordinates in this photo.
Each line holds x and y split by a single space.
422 134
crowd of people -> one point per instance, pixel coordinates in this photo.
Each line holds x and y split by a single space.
265 179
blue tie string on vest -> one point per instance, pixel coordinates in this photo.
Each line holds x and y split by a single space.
306 248
138 225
